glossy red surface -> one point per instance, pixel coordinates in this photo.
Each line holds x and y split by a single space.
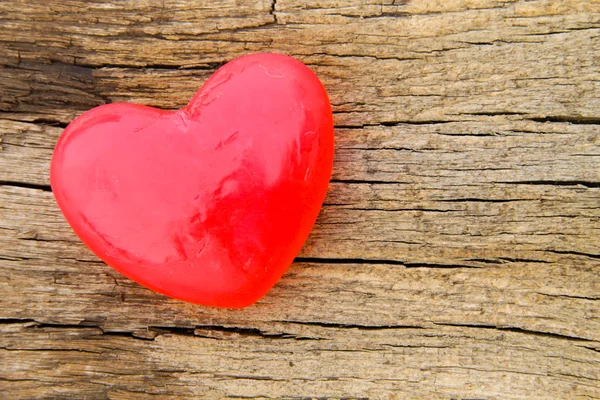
211 203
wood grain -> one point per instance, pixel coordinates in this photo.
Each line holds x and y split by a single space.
457 253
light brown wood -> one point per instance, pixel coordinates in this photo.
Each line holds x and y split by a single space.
458 251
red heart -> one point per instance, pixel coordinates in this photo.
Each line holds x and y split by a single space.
211 203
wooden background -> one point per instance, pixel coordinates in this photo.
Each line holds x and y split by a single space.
457 254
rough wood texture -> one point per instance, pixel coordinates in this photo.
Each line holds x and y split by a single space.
457 254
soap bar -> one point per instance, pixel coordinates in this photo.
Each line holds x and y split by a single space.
211 203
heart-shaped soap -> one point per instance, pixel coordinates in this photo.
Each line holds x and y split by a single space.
211 203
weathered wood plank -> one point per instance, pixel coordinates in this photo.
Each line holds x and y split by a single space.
457 252
437 197
252 363
432 66
560 299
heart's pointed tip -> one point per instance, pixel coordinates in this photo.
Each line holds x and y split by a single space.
225 302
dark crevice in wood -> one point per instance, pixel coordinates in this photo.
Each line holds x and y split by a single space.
351 326
476 200
385 148
249 377
79 259
45 188
569 296
90 67
362 56
575 253
38 239
251 332
168 67
128 335
485 261
353 126
493 113
592 348
516 330
561 32
392 123
397 14
400 209
360 181
524 260
36 121
49 122
468 134
154 331
564 119
314 260
5 258
49 349
3 379
444 266
409 122
9 321
273 10
569 119
82 325
587 184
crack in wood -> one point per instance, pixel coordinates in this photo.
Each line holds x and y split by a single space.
517 330
335 325
575 120
588 184
319 260
153 331
575 253
25 185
